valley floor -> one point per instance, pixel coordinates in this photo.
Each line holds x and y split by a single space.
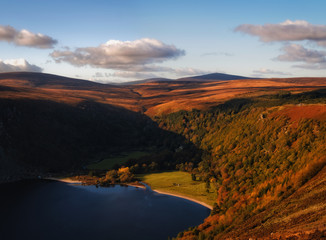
180 184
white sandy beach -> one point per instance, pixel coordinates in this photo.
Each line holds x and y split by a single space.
188 198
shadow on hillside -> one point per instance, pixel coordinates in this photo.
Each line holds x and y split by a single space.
40 136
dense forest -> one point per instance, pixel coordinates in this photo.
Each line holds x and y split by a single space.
255 153
39 137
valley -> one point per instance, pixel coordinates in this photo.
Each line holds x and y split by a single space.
256 147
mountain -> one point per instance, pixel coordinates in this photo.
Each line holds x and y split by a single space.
260 143
200 78
206 77
48 80
213 77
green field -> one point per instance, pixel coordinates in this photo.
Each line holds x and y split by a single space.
108 163
179 183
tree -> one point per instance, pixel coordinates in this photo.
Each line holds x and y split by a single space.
193 177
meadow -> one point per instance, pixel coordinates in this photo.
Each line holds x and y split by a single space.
110 162
180 183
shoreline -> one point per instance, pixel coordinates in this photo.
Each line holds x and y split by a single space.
184 197
71 181
65 180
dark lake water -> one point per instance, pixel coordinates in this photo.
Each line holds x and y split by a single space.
54 210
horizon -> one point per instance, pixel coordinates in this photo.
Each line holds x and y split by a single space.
111 41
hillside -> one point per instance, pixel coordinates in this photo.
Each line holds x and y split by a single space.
42 136
53 124
46 80
39 86
302 215
151 98
258 143
168 97
257 153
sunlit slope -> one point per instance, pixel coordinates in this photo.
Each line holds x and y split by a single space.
39 86
302 215
152 98
164 98
258 153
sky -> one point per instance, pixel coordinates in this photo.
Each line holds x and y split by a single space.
126 40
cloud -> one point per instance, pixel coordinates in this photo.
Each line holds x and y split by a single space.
133 75
25 38
320 66
98 75
265 71
118 76
217 54
287 31
189 72
298 53
18 65
148 68
312 59
120 55
148 72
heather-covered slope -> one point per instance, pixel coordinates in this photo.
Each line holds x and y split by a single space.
159 98
302 215
258 152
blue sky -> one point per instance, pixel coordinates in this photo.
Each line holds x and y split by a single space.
164 38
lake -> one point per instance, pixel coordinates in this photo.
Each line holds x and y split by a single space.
44 209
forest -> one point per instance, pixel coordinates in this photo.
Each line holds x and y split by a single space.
253 153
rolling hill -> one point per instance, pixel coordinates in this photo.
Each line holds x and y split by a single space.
46 80
151 98
259 142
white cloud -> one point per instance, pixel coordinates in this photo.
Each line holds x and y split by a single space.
311 59
298 53
148 72
18 65
226 54
120 55
25 38
266 71
189 72
121 76
287 31
133 75
98 75
320 66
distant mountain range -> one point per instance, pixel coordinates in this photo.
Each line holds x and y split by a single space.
44 79
200 78
213 77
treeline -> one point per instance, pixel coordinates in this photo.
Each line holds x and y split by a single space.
251 155
39 137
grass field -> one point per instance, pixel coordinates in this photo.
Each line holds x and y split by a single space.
108 163
179 183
